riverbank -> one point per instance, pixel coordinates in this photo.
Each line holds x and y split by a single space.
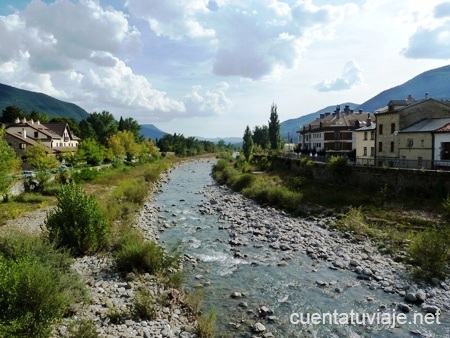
251 224
258 265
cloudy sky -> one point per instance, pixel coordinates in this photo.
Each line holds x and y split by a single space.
210 67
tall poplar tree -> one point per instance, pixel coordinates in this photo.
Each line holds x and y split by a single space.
247 146
274 129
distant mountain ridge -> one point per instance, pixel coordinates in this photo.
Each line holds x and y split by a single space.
434 83
29 101
151 131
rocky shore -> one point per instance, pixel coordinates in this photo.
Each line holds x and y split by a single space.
249 224
112 295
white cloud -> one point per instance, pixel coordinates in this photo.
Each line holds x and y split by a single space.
431 39
76 47
210 102
174 19
351 75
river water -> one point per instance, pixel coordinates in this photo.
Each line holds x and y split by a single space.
290 291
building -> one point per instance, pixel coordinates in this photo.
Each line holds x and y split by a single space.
365 144
57 137
334 133
405 133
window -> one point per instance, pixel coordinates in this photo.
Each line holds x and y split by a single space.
392 128
36 134
365 135
380 129
372 135
392 147
419 161
422 143
380 146
23 146
365 151
372 151
410 142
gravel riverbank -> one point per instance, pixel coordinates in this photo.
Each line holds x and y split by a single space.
248 223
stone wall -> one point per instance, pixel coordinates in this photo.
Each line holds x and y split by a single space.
426 183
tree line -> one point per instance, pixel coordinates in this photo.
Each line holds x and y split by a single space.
103 140
263 138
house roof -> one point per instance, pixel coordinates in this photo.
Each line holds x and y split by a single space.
59 128
342 118
26 140
372 126
427 125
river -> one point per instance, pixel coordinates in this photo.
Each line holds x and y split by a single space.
286 291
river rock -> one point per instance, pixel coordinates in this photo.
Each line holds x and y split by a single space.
258 328
421 296
404 308
411 297
431 309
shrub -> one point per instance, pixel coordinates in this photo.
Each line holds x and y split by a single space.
431 252
51 189
353 220
206 326
338 165
77 222
132 191
244 181
220 165
144 305
134 253
85 175
151 175
83 328
37 286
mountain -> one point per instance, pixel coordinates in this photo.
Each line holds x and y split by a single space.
232 140
435 83
29 101
151 131
290 127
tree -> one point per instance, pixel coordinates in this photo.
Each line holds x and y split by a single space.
247 146
91 151
261 136
85 130
11 113
38 157
123 143
103 124
131 125
274 129
8 164
35 115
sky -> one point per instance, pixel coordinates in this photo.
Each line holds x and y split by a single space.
209 68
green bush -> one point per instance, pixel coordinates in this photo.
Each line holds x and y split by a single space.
83 328
134 253
430 250
86 175
144 306
133 191
244 181
338 165
37 286
220 165
206 326
51 189
77 223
